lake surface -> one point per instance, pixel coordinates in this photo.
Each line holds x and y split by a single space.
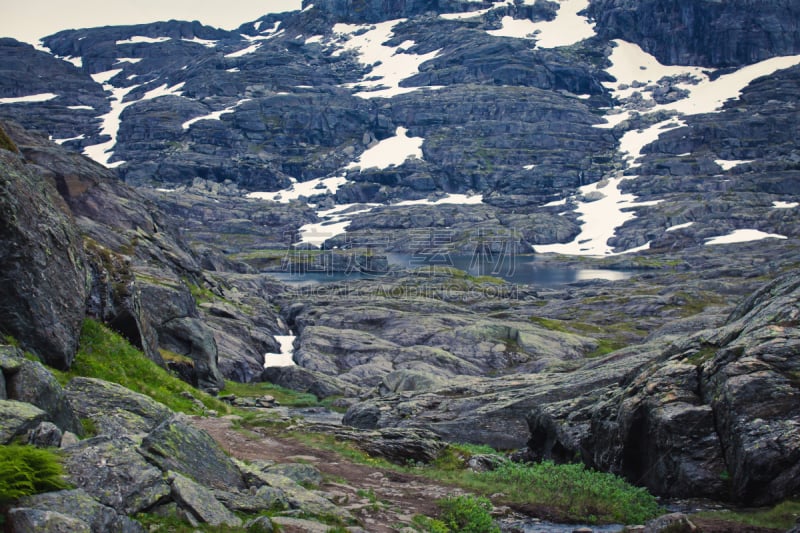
520 269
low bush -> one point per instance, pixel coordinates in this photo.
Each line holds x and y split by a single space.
26 470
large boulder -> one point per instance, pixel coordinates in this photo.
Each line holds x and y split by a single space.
112 471
25 520
201 503
80 505
17 418
114 409
30 382
43 288
177 445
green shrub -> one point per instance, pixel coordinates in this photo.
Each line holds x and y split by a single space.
26 470
468 514
429 525
576 491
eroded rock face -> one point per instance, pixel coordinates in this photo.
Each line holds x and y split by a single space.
714 414
43 287
709 33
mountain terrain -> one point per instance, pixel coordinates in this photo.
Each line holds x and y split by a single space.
188 187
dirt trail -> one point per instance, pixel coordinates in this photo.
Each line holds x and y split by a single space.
397 497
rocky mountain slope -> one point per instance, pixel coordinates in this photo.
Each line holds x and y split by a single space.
154 177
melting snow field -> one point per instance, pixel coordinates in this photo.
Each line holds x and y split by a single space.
390 64
566 29
103 152
33 98
743 235
216 115
287 352
393 151
601 218
305 189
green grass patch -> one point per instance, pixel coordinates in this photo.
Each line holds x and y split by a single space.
781 517
26 470
574 491
103 354
571 492
468 514
283 395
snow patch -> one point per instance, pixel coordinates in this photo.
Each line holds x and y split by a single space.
785 205
728 164
285 357
742 235
141 39
205 42
245 51
459 199
163 90
131 60
390 64
33 98
79 107
566 29
62 141
393 151
305 189
680 226
599 219
216 115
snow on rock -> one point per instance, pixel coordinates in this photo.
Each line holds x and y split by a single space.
785 205
285 357
244 51
304 189
216 115
566 29
334 222
680 226
390 64
742 235
633 141
33 98
460 199
141 39
393 151
728 164
599 219
205 42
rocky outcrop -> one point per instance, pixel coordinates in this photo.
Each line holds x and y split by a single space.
176 445
708 33
43 287
113 409
691 421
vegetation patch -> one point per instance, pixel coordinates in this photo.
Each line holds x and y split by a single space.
282 395
27 470
782 517
105 355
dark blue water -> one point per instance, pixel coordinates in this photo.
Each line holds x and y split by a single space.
520 269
